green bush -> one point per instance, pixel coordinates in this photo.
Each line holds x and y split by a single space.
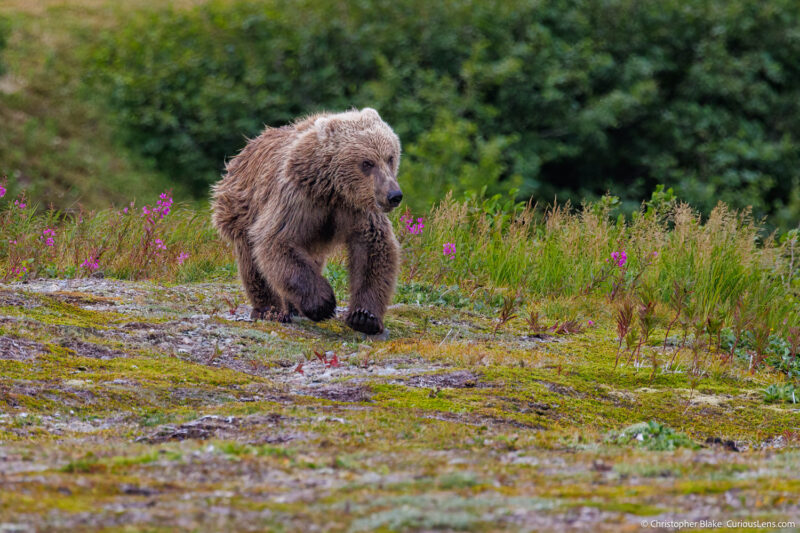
556 97
5 29
653 436
780 393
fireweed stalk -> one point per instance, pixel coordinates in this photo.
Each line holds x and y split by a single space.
150 247
48 237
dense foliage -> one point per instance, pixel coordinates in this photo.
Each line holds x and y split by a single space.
555 97
4 31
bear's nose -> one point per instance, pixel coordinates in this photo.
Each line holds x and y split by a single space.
394 198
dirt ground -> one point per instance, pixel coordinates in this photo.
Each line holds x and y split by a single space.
140 407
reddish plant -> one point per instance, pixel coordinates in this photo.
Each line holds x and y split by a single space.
645 313
623 318
333 362
534 325
567 327
677 302
761 332
330 362
506 313
794 340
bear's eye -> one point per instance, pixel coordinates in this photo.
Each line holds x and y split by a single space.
391 160
366 165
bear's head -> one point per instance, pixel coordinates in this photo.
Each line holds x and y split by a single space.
362 155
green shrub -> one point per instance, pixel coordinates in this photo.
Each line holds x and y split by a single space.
653 436
5 29
781 393
569 98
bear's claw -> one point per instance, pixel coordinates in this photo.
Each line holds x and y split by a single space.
260 313
270 313
365 322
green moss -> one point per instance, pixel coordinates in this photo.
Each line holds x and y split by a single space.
637 509
85 465
53 311
144 459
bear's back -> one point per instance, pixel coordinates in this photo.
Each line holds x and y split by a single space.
250 176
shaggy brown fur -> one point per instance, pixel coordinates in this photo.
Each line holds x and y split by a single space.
295 193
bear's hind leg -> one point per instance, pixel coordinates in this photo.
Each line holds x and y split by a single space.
266 304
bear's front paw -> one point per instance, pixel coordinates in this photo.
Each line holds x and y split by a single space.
365 322
320 306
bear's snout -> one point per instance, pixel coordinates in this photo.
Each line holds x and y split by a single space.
394 198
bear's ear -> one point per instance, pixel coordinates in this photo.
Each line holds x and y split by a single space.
325 126
370 113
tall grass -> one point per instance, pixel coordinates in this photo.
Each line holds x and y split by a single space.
133 242
560 251
724 261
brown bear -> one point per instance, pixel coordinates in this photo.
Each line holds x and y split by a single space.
295 193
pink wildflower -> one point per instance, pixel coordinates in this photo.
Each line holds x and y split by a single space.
415 229
145 210
2 191
590 322
90 264
48 236
412 227
125 210
19 271
620 258
20 204
449 250
183 256
163 205
160 244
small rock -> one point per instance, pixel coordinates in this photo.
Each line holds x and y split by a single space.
135 490
601 466
382 336
726 444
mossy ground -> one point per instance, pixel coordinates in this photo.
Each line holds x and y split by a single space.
135 406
